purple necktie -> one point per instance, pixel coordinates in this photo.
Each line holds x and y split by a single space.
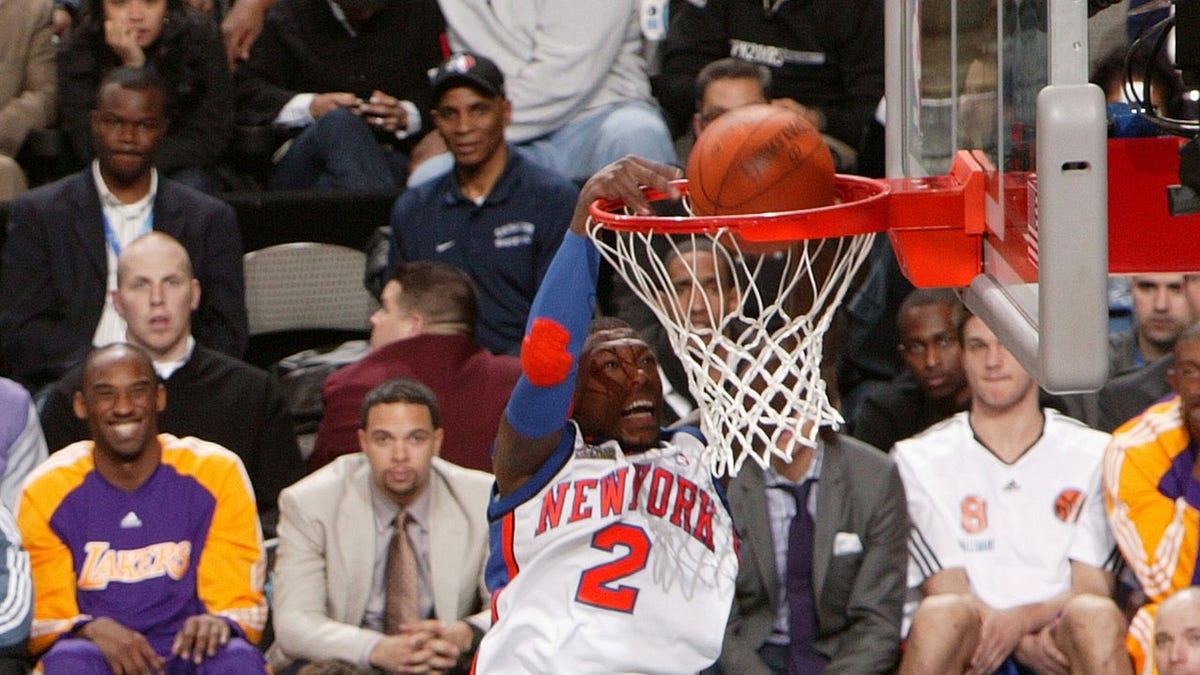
803 659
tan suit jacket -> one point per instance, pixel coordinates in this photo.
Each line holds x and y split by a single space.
326 555
28 74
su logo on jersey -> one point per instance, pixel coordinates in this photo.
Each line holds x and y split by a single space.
974 514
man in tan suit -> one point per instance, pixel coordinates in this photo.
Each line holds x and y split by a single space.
341 567
28 83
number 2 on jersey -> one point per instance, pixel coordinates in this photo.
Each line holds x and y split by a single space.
596 583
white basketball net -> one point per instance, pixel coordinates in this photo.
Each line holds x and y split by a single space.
755 371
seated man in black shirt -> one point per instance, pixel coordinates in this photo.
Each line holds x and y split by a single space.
212 396
933 387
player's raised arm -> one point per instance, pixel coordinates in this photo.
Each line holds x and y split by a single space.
559 319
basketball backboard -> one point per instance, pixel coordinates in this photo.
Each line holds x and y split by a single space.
1010 78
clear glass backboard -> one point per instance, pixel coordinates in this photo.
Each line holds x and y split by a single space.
1009 78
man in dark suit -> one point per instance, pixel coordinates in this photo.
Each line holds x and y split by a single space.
213 396
859 551
59 262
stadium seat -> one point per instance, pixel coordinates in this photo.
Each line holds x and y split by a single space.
303 295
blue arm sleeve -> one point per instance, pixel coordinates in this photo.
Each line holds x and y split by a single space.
568 296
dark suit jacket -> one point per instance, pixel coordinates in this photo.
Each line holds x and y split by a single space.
55 268
1125 396
215 398
859 594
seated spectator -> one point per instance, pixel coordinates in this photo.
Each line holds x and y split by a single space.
1150 478
1176 649
60 259
28 84
1009 544
179 44
16 605
1127 393
351 78
497 216
213 396
822 591
22 445
351 534
1166 87
723 85
579 89
705 290
1161 311
145 550
726 84
424 330
826 59
933 386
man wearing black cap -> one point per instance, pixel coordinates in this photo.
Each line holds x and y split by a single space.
497 215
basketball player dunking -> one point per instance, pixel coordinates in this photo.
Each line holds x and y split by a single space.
612 548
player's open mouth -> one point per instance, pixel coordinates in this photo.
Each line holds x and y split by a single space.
637 408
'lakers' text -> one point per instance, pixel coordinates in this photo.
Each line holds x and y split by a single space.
654 490
104 565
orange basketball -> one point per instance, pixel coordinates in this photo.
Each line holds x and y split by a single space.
759 159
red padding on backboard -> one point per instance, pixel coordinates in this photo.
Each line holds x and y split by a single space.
1142 234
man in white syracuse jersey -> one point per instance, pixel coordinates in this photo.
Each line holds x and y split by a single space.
1009 541
612 548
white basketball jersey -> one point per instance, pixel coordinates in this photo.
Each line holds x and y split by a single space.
611 563
1014 527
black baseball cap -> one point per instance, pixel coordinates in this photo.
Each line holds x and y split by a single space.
471 70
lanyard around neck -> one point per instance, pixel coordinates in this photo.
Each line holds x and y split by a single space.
111 234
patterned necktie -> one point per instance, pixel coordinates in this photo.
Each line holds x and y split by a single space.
802 612
401 577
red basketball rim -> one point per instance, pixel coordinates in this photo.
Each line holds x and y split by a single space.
861 209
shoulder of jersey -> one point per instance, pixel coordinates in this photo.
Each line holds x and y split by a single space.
1087 438
939 440
202 450
78 454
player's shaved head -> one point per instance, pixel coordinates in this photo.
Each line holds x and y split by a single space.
104 357
607 328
